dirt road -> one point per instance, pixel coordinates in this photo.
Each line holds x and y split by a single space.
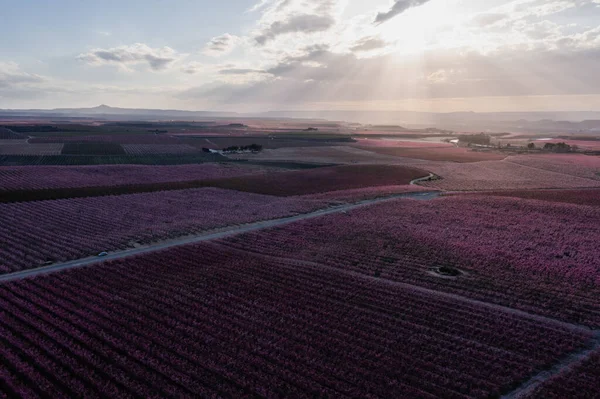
208 235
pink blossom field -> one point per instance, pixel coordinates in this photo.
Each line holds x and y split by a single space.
508 174
366 193
32 233
400 143
579 165
50 177
532 255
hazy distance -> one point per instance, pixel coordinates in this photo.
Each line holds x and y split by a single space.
256 56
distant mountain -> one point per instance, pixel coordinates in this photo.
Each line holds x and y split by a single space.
410 117
106 112
551 122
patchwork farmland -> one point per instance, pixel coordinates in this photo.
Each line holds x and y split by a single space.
325 264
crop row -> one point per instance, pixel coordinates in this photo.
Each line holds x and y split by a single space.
110 138
92 148
34 233
220 142
31 149
442 154
324 179
360 194
7 134
144 149
202 321
81 160
398 143
537 256
500 175
45 177
581 381
569 164
589 197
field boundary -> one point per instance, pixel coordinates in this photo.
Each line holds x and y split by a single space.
573 359
229 183
546 170
47 194
523 390
429 291
508 190
208 236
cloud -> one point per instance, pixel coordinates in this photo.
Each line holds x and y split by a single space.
240 71
543 30
314 77
368 44
579 41
306 23
440 76
261 4
303 52
12 75
124 56
221 45
486 19
398 8
313 63
192 68
544 8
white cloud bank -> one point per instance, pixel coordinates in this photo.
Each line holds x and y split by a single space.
157 59
221 45
316 53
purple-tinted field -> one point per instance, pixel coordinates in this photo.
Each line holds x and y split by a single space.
447 154
45 177
321 180
391 143
7 134
199 321
569 164
501 175
110 138
533 255
32 233
579 382
360 194
589 197
31 149
146 149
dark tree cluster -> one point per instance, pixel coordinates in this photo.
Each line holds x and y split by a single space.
481 139
251 147
558 147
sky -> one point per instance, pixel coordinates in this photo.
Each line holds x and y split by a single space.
261 55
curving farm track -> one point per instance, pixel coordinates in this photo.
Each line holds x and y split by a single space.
207 236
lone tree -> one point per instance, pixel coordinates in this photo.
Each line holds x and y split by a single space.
531 146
